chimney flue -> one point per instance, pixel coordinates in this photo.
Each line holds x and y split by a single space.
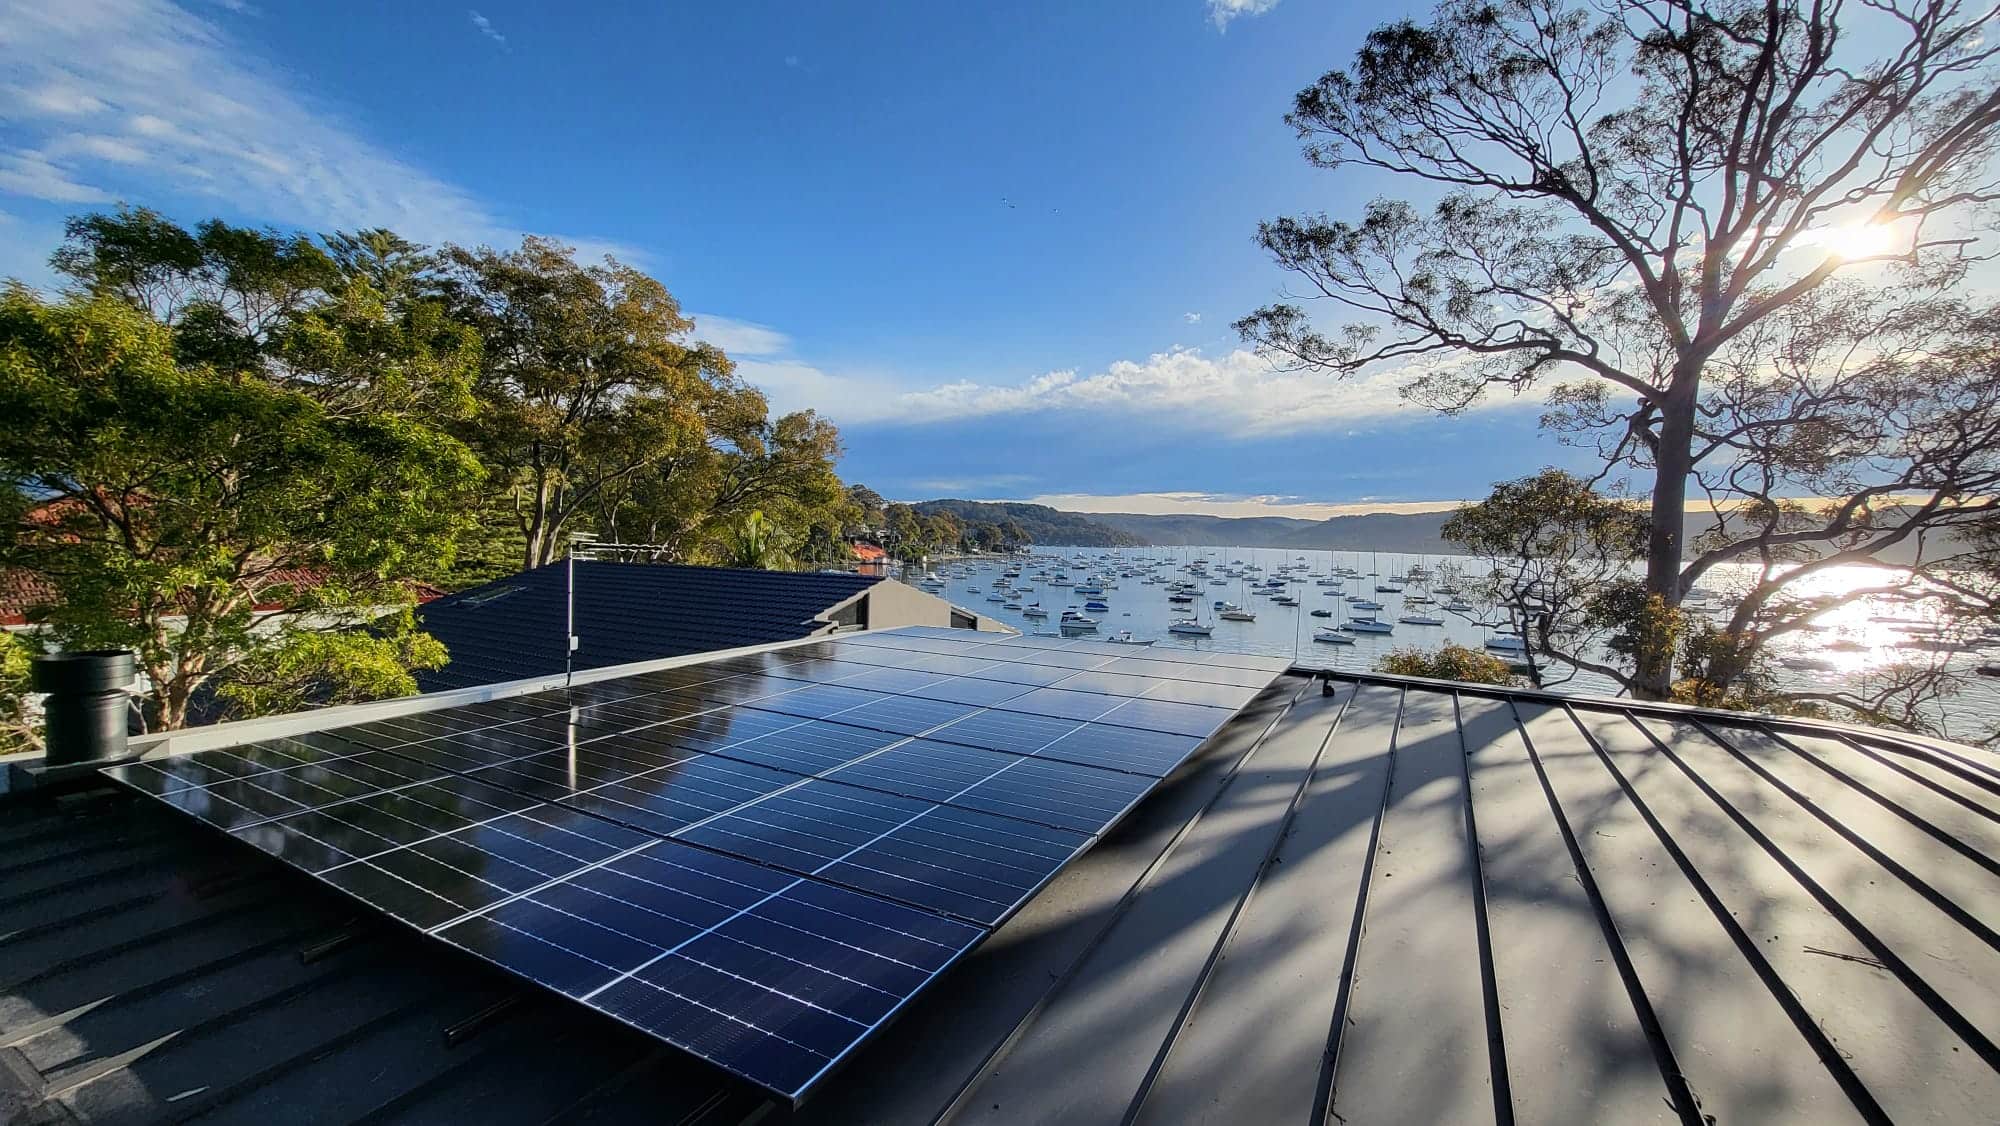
84 711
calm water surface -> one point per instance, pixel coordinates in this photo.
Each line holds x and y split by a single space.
1847 645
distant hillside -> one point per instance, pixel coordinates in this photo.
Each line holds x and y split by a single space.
1204 531
1374 531
1414 534
1042 523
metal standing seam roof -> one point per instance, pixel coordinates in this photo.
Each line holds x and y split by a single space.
1400 902
1416 903
514 627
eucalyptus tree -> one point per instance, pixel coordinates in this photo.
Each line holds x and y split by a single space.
1734 244
589 376
348 319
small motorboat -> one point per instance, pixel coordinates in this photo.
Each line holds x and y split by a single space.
1034 610
1097 606
1322 613
1506 643
1124 637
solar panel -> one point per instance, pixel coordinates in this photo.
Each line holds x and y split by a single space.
758 859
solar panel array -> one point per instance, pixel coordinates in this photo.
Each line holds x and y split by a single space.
758 859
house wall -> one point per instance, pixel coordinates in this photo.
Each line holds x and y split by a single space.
892 604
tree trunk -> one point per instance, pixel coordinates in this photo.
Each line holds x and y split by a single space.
173 705
535 551
1654 669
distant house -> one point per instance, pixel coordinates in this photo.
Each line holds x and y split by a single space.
869 553
512 628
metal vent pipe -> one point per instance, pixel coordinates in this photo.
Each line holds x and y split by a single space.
84 713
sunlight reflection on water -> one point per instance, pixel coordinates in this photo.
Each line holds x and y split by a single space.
1842 649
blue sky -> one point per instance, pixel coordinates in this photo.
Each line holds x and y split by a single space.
1001 245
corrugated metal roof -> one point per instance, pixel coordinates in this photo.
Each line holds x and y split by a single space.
1401 902
513 627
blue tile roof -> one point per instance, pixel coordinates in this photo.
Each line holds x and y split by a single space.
513 627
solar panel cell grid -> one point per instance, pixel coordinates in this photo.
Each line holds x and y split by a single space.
1063 704
1017 733
758 859
1164 715
812 747
925 769
971 865
817 701
1016 672
1156 753
969 690
667 800
910 715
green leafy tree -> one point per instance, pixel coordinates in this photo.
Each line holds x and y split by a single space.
1452 662
166 501
907 534
691 501
942 532
17 731
588 378
1559 561
349 320
756 543
1733 233
868 505
309 667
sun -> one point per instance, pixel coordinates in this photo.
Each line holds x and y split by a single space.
1856 240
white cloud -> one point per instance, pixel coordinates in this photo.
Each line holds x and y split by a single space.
486 27
1236 394
1239 392
34 175
1220 12
740 338
146 101
1191 318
